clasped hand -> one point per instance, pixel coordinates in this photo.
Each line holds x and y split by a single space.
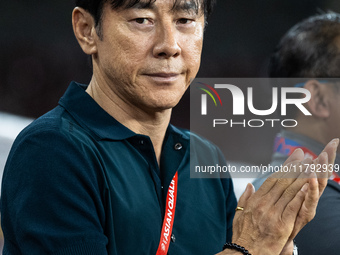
283 205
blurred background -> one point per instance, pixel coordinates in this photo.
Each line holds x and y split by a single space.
39 57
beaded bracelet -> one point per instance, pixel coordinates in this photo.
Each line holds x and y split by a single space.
234 246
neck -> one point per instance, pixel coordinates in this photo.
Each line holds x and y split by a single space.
149 123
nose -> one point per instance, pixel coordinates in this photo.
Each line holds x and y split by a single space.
166 45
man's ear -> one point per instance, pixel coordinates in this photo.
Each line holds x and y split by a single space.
85 30
318 105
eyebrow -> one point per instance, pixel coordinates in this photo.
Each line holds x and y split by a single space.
179 5
187 6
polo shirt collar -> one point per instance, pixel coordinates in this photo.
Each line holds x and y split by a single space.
81 106
185 134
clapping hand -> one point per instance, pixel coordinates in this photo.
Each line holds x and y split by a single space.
267 220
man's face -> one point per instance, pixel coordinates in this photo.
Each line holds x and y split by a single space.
148 54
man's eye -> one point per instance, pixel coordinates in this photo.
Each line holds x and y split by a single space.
143 21
184 21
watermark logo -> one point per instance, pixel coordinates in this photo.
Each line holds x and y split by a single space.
239 99
204 97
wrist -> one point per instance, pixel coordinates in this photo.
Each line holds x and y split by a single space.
258 246
288 248
236 247
229 252
251 247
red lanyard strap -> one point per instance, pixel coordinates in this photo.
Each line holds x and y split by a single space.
169 216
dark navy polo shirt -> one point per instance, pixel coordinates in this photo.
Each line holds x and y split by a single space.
79 182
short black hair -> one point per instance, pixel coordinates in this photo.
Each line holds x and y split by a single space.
310 49
95 7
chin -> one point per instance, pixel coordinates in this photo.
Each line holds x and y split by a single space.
164 106
165 101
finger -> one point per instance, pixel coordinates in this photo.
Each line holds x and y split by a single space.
290 192
291 210
249 191
297 155
330 149
246 195
312 196
322 171
294 158
308 208
285 189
